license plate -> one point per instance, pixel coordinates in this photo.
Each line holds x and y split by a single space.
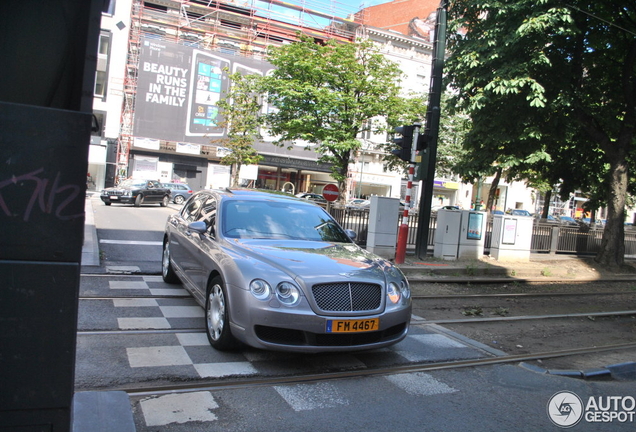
353 326
114 197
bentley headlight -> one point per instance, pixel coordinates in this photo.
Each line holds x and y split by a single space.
393 292
405 289
288 294
260 289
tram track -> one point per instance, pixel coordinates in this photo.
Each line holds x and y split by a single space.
246 383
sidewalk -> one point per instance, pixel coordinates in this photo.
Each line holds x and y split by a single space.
90 249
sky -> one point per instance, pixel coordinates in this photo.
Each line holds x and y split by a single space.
339 8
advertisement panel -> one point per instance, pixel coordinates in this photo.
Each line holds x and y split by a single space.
179 88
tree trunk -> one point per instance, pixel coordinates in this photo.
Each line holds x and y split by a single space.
612 251
546 204
493 191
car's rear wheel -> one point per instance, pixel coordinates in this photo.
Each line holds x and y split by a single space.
179 199
167 271
107 203
165 201
139 200
217 317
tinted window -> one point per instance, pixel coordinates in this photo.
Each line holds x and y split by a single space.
280 220
191 210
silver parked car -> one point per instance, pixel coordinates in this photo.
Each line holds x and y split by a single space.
180 192
279 273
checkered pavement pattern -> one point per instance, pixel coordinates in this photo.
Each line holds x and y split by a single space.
180 350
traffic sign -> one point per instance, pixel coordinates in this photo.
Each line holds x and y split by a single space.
330 192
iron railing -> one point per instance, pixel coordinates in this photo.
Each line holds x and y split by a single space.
546 237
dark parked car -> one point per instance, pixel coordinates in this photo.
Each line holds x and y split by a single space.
137 192
279 273
312 197
180 192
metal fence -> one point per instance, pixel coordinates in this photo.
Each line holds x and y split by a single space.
546 238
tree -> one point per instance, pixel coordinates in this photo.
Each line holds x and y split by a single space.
326 94
241 107
535 75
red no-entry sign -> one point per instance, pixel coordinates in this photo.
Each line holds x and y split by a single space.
330 192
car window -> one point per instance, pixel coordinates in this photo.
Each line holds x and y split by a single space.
191 210
279 220
208 212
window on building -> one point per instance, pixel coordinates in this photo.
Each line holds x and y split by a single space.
100 116
108 7
101 73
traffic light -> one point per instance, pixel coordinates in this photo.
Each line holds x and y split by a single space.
422 142
404 143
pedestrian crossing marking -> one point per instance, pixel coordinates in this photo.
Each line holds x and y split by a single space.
182 311
126 284
135 302
169 292
143 323
304 397
158 356
420 384
218 370
179 408
193 339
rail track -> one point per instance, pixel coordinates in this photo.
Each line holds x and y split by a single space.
562 335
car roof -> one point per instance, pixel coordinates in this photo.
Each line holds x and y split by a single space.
250 194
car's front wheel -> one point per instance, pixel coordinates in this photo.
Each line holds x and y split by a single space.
138 200
165 201
167 271
179 199
217 317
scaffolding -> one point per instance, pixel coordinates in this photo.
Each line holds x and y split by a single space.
246 28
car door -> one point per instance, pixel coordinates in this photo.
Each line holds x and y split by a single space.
154 194
190 241
204 246
180 241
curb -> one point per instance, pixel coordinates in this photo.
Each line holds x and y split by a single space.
621 371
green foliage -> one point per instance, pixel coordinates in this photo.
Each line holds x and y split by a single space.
550 88
241 110
325 95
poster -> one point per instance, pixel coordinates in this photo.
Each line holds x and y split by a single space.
475 224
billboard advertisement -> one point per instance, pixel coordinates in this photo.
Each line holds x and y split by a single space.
179 88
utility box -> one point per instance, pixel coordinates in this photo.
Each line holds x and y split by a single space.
460 234
383 221
447 234
511 237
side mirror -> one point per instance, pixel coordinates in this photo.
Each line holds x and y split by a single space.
199 227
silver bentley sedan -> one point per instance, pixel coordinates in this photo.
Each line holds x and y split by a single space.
279 273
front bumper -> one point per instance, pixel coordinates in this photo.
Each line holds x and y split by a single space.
272 326
124 199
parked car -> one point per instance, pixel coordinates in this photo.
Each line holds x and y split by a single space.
520 212
312 197
434 209
279 273
549 219
358 203
568 221
180 192
136 192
